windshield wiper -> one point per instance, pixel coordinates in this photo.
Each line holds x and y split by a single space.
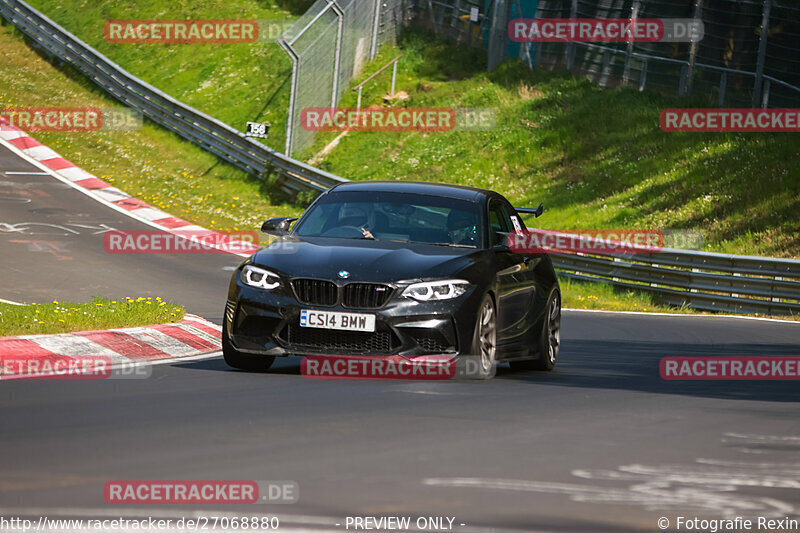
450 244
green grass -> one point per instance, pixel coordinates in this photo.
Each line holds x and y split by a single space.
100 313
152 163
234 83
596 157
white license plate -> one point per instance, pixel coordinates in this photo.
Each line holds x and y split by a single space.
337 320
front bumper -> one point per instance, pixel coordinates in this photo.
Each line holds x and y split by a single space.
268 323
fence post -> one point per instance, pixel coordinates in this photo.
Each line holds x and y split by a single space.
698 14
765 98
433 15
682 81
573 12
337 57
626 73
723 84
292 96
498 30
762 52
455 27
376 22
604 72
643 75
394 76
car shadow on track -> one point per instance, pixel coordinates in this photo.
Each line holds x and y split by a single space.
628 365
612 364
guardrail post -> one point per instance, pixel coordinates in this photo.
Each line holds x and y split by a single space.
736 294
777 278
762 53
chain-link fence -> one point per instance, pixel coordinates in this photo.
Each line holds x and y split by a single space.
328 46
736 64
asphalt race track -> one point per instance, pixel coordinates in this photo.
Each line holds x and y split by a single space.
600 444
51 248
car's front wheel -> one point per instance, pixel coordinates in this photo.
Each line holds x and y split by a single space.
243 361
549 340
484 338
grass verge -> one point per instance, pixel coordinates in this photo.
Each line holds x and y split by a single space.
235 83
100 313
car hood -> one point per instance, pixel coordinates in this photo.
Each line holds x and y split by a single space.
365 260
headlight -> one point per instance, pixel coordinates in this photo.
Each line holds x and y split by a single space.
436 290
260 278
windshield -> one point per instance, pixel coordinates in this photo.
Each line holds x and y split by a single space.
393 216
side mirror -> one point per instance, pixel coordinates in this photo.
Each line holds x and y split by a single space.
499 239
277 226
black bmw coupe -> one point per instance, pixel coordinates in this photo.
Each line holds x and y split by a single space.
395 268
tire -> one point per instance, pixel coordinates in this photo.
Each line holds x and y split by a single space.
549 339
243 361
484 337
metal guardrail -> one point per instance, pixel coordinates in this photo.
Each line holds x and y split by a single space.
702 280
710 281
191 124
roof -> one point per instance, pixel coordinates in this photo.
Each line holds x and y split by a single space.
416 187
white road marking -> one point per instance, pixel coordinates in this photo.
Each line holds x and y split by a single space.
15 173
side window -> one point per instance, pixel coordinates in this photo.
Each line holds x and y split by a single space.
499 220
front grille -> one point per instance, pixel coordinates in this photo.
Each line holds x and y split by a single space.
328 341
366 295
315 291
